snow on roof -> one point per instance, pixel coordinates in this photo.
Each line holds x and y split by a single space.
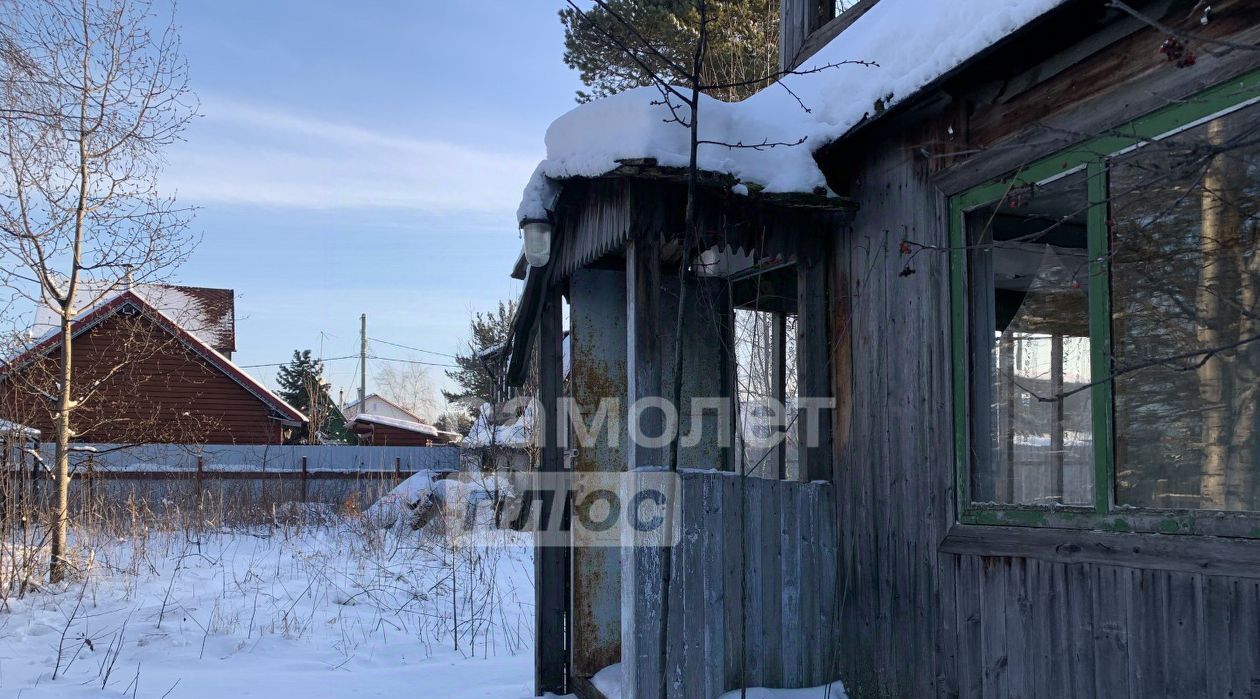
913 43
418 427
207 314
7 428
111 303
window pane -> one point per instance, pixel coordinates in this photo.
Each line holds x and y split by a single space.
765 368
1185 283
1032 419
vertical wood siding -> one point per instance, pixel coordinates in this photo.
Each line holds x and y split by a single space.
893 464
752 588
915 622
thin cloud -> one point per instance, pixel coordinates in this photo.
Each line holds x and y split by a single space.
256 155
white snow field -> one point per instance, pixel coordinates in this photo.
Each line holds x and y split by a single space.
341 610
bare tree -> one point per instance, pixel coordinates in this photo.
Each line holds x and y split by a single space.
408 385
91 92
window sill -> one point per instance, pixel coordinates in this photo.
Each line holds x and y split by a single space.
1207 555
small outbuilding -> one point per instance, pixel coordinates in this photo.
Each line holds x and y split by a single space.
389 431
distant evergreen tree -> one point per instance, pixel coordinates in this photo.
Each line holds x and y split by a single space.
302 385
743 44
293 378
476 374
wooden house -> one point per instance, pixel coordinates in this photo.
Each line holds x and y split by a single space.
1030 287
376 404
153 366
389 431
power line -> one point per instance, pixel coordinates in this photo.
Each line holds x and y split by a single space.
355 356
325 359
412 361
413 349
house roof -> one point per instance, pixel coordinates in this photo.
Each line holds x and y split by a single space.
208 314
383 399
407 425
12 428
131 298
889 54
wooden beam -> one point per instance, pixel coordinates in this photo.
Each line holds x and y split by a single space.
645 353
778 363
1178 553
642 583
551 562
813 347
824 30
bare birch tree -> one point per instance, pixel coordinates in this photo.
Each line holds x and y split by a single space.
409 385
91 92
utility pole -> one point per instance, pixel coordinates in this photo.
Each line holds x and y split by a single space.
362 361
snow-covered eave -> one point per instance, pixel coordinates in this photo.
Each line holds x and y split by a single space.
407 425
931 91
911 45
820 198
8 427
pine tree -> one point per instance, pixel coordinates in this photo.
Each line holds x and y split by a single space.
476 377
294 376
743 44
302 385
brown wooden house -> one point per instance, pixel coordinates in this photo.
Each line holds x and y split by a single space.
152 365
1030 288
388 431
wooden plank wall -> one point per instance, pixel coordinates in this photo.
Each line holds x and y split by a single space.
795 25
772 626
914 621
1031 628
893 450
164 393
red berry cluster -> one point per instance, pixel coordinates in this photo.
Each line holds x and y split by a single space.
1020 197
1177 53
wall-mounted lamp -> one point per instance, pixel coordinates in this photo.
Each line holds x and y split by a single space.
537 241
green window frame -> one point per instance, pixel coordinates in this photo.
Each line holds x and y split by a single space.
1092 158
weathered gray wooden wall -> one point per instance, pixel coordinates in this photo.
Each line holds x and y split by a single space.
805 26
753 590
992 618
893 456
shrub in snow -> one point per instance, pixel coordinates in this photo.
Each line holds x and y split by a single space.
397 505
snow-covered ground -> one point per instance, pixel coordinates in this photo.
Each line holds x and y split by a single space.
336 610
353 606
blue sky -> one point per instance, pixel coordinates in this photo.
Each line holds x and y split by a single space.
363 161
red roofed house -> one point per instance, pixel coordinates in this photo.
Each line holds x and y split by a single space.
152 364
